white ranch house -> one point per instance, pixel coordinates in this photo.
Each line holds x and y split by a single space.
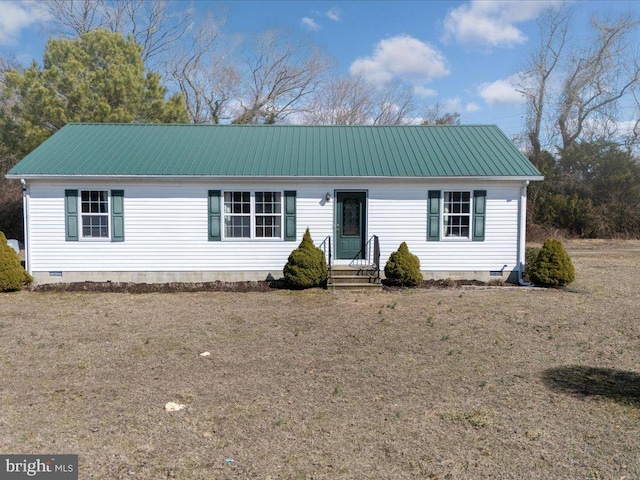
194 203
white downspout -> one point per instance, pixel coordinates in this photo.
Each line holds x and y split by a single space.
522 233
25 219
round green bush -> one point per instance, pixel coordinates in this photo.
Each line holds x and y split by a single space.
403 268
530 255
552 267
307 266
12 276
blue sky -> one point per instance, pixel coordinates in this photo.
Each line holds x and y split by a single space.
464 55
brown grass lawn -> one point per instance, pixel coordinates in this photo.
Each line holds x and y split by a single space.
440 383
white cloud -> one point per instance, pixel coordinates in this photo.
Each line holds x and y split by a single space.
310 23
334 14
424 92
471 107
15 16
491 23
452 104
401 57
502 92
455 104
626 127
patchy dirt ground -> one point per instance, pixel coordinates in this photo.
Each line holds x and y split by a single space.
467 382
176 287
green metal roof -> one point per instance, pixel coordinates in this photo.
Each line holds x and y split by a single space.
276 151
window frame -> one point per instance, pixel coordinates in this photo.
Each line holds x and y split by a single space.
252 215
444 215
81 215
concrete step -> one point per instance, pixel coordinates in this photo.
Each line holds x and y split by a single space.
340 279
346 270
346 277
355 286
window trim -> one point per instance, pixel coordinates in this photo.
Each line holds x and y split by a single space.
470 215
81 236
252 216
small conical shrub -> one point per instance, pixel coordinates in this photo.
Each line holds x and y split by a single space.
307 266
530 255
403 268
552 267
12 276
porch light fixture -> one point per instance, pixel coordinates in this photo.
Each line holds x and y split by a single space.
327 197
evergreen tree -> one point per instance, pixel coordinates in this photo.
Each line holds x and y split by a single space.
98 76
403 268
12 276
307 266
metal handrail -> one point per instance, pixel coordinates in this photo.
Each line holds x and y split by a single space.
369 255
376 254
325 246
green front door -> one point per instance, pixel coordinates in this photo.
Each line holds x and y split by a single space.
350 224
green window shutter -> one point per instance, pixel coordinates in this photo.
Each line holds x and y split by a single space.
71 215
290 215
215 234
117 215
479 209
433 216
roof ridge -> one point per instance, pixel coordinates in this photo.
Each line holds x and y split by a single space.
257 125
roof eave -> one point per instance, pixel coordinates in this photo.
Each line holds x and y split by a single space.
16 176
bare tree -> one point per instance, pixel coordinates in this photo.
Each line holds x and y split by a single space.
351 100
74 17
341 101
552 26
435 114
279 74
596 79
632 134
204 73
150 22
394 104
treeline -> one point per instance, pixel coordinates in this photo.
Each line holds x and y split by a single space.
583 104
592 189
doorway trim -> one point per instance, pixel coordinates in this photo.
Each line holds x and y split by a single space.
337 219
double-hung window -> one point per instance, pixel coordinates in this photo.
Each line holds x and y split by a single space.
94 212
237 214
94 215
456 215
252 215
268 215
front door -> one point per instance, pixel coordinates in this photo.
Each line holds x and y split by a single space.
350 224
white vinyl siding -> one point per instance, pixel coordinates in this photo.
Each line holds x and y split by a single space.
166 225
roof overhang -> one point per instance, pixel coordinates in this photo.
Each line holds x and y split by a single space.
253 178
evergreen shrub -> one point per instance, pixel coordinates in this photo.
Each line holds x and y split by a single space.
530 255
307 266
12 276
403 268
552 267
